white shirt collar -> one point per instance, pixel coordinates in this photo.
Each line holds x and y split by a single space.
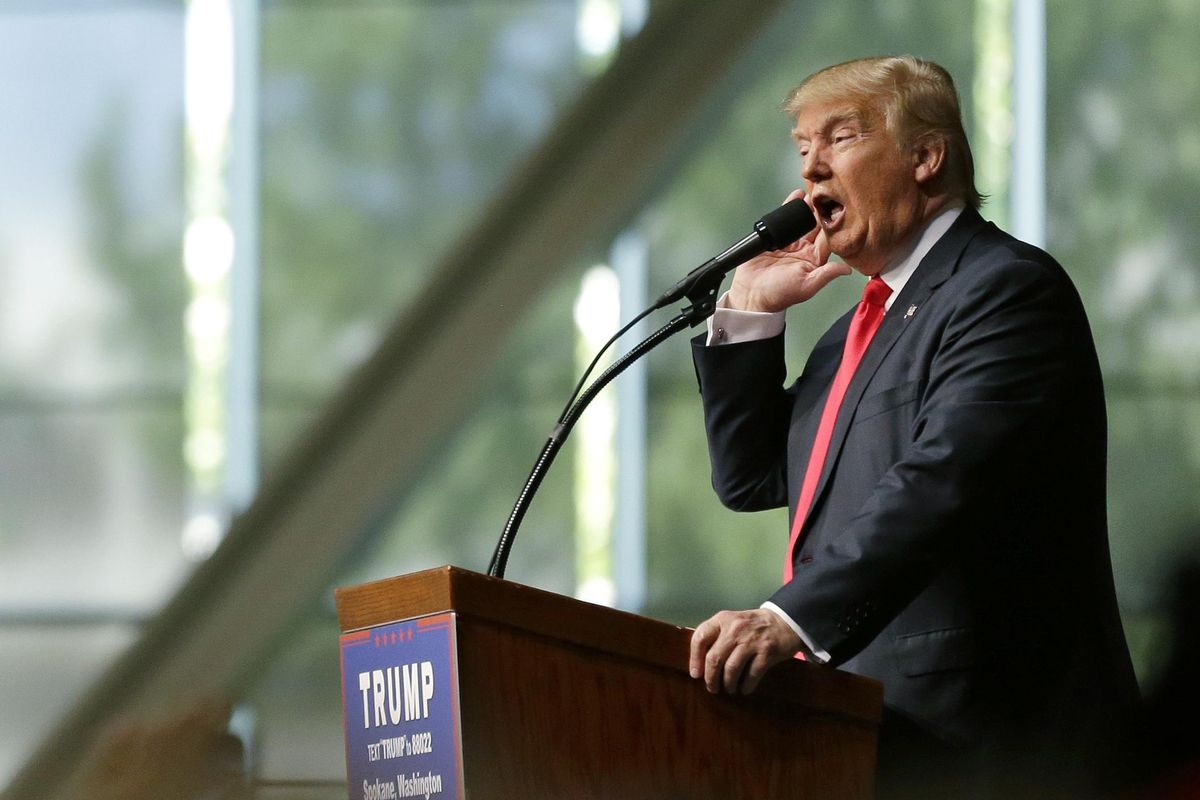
897 273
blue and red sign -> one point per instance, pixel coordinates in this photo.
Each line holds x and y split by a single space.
400 704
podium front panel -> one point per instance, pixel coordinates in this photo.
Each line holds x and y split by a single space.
400 705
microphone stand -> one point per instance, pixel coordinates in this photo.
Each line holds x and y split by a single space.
703 297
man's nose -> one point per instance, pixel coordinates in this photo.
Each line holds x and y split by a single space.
814 165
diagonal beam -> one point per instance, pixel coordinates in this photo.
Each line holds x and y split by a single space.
588 177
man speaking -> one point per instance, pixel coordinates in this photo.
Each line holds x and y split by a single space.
942 455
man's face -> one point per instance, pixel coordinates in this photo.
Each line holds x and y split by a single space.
861 184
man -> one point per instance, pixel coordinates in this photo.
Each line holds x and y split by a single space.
942 454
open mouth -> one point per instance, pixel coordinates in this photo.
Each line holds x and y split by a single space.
829 211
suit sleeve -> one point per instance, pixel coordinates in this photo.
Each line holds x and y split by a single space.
746 414
999 389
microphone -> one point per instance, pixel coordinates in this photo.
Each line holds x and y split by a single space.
775 230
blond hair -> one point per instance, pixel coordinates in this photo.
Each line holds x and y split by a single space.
916 99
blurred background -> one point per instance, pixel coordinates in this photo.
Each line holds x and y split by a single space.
292 291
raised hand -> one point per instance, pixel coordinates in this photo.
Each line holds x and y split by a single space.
780 279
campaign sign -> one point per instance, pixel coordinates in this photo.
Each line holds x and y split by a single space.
400 701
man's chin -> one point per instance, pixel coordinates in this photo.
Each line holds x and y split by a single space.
861 264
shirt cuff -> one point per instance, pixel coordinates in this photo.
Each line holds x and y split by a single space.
819 655
731 326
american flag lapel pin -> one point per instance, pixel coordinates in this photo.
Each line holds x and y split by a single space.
911 310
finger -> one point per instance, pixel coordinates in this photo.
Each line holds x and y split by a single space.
792 195
755 670
822 244
702 639
735 666
714 666
822 276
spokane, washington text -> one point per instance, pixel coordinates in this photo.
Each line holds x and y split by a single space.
415 785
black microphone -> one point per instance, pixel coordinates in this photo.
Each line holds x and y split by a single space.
775 230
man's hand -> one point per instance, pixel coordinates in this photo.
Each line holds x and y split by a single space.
732 650
780 279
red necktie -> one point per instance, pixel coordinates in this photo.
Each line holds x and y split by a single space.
863 325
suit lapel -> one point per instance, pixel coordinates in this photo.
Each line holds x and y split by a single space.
937 265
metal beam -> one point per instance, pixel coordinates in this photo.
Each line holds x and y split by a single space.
589 176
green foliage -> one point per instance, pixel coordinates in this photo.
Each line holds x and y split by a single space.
1123 167
141 257
385 128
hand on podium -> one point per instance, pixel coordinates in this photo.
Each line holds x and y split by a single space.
732 650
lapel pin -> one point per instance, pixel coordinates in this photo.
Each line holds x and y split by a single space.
911 310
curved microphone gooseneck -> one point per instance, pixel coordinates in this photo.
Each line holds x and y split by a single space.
775 230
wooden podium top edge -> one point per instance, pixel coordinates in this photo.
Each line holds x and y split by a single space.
475 596
449 588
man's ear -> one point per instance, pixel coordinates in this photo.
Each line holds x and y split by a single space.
929 158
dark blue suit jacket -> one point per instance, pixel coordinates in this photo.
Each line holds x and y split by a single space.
957 546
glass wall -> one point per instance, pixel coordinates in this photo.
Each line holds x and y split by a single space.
385 129
91 345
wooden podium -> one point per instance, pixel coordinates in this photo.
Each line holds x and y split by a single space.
557 698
